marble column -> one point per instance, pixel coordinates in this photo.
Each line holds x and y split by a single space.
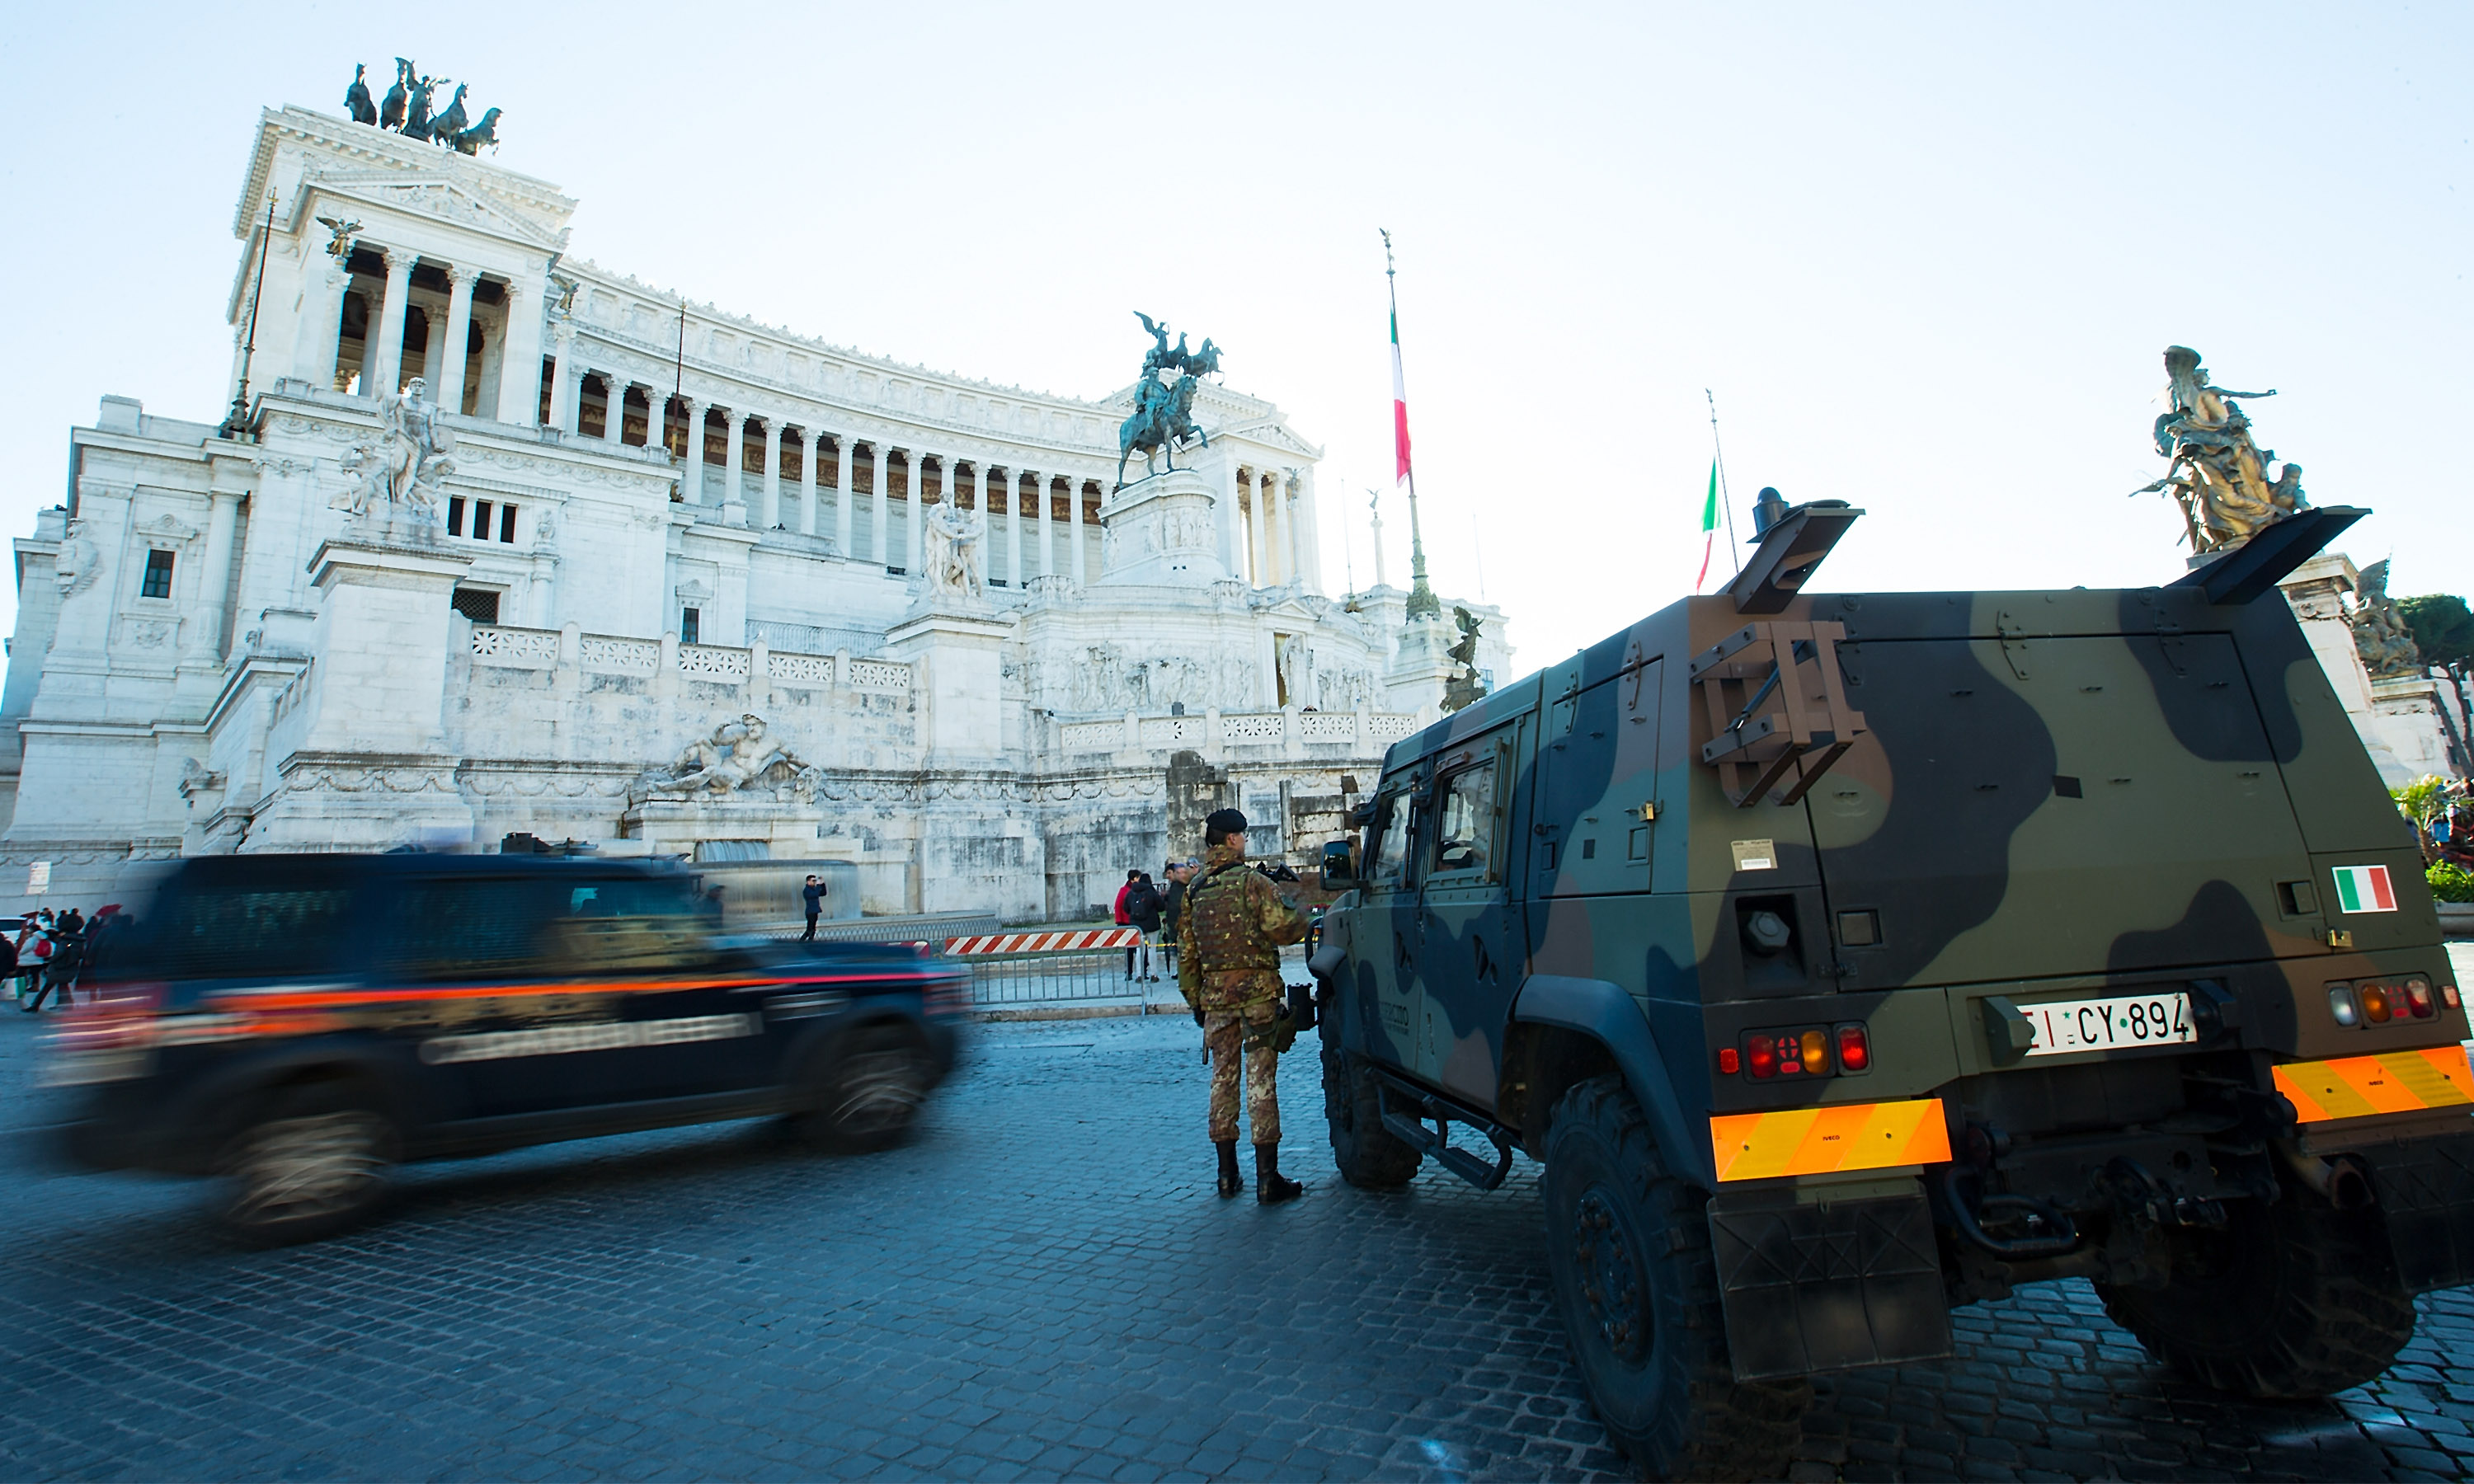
845 483
613 422
433 346
1255 547
810 444
322 321
447 385
1074 508
565 387
519 357
878 513
1232 522
1047 526
1310 532
771 514
387 324
734 501
692 468
915 535
1013 528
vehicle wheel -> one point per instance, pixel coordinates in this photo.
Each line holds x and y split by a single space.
1368 1155
310 1163
867 1092
1629 1244
2297 1300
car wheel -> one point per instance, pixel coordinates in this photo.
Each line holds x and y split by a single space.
868 1093
2294 1300
310 1163
1629 1248
1368 1156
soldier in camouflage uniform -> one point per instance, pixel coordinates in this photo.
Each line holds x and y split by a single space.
1229 967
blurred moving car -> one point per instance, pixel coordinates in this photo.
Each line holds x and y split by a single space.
295 1025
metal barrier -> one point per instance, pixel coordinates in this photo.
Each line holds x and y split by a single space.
1065 969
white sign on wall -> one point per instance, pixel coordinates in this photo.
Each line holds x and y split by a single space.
39 879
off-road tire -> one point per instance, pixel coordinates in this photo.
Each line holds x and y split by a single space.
306 1162
1638 1291
2296 1300
864 1091
1367 1154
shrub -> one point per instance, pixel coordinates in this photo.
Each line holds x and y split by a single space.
2451 882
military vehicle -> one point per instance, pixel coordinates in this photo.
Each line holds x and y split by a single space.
1847 958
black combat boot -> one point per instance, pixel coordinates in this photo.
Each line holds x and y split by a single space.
1232 1180
1271 1186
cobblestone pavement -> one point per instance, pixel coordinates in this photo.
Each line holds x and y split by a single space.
1041 1285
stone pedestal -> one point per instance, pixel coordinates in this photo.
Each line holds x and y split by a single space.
1162 532
676 824
360 758
1421 669
960 673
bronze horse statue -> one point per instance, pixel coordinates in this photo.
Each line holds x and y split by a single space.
1161 419
469 141
356 98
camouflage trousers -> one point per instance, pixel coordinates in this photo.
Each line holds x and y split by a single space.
1225 1036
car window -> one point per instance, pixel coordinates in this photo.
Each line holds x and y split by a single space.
1390 841
642 924
244 932
1465 829
472 927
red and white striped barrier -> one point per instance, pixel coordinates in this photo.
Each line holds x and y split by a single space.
1086 941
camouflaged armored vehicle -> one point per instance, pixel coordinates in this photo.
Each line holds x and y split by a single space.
1847 958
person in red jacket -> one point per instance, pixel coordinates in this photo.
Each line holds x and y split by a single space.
1123 920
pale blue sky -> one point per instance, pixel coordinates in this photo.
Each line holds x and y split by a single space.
1927 257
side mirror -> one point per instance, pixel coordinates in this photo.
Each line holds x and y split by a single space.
1362 816
1338 863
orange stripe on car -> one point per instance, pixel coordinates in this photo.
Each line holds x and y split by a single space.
2355 1086
1823 1140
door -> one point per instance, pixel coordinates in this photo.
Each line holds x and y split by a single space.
1469 951
1386 930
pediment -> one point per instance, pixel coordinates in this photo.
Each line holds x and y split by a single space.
441 200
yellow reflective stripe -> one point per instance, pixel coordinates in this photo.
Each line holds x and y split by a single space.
1820 1140
2355 1086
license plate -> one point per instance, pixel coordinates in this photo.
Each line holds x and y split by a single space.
2064 1026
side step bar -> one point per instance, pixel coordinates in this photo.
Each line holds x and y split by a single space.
1435 1141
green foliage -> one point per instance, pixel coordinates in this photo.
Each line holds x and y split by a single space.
2442 628
2422 800
2451 882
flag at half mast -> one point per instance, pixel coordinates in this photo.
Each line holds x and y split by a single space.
1399 404
1708 526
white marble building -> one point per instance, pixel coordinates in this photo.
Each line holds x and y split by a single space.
659 516
2407 723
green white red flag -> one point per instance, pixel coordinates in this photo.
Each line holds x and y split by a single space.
2364 889
1399 406
1709 522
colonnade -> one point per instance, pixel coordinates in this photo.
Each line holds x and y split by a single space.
1274 515
515 342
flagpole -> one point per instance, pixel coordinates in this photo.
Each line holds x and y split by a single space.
1719 453
1422 602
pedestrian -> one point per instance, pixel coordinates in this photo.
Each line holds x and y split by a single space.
813 895
1123 920
1143 911
1173 903
1229 933
60 968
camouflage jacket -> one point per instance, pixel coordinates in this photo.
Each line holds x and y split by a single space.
1229 936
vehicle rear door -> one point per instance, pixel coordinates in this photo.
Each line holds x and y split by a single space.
2077 804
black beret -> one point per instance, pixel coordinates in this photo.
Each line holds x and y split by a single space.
1225 823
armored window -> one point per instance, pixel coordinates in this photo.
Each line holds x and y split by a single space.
479 927
1391 842
691 625
1465 831
478 604
158 582
231 932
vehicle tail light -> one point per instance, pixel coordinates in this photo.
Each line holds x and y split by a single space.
1730 1061
2417 998
1855 1051
2448 996
1763 1059
2375 1004
122 1016
2341 1005
1815 1050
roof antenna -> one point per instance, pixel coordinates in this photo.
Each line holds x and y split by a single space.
236 425
1719 453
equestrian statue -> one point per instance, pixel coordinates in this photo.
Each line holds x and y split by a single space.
406 111
1163 410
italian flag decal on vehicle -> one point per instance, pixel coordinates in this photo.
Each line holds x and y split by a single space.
2364 889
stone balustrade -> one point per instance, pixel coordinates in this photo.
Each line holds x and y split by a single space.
1246 734
601 653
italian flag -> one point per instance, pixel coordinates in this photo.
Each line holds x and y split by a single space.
1709 522
2363 888
1399 406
